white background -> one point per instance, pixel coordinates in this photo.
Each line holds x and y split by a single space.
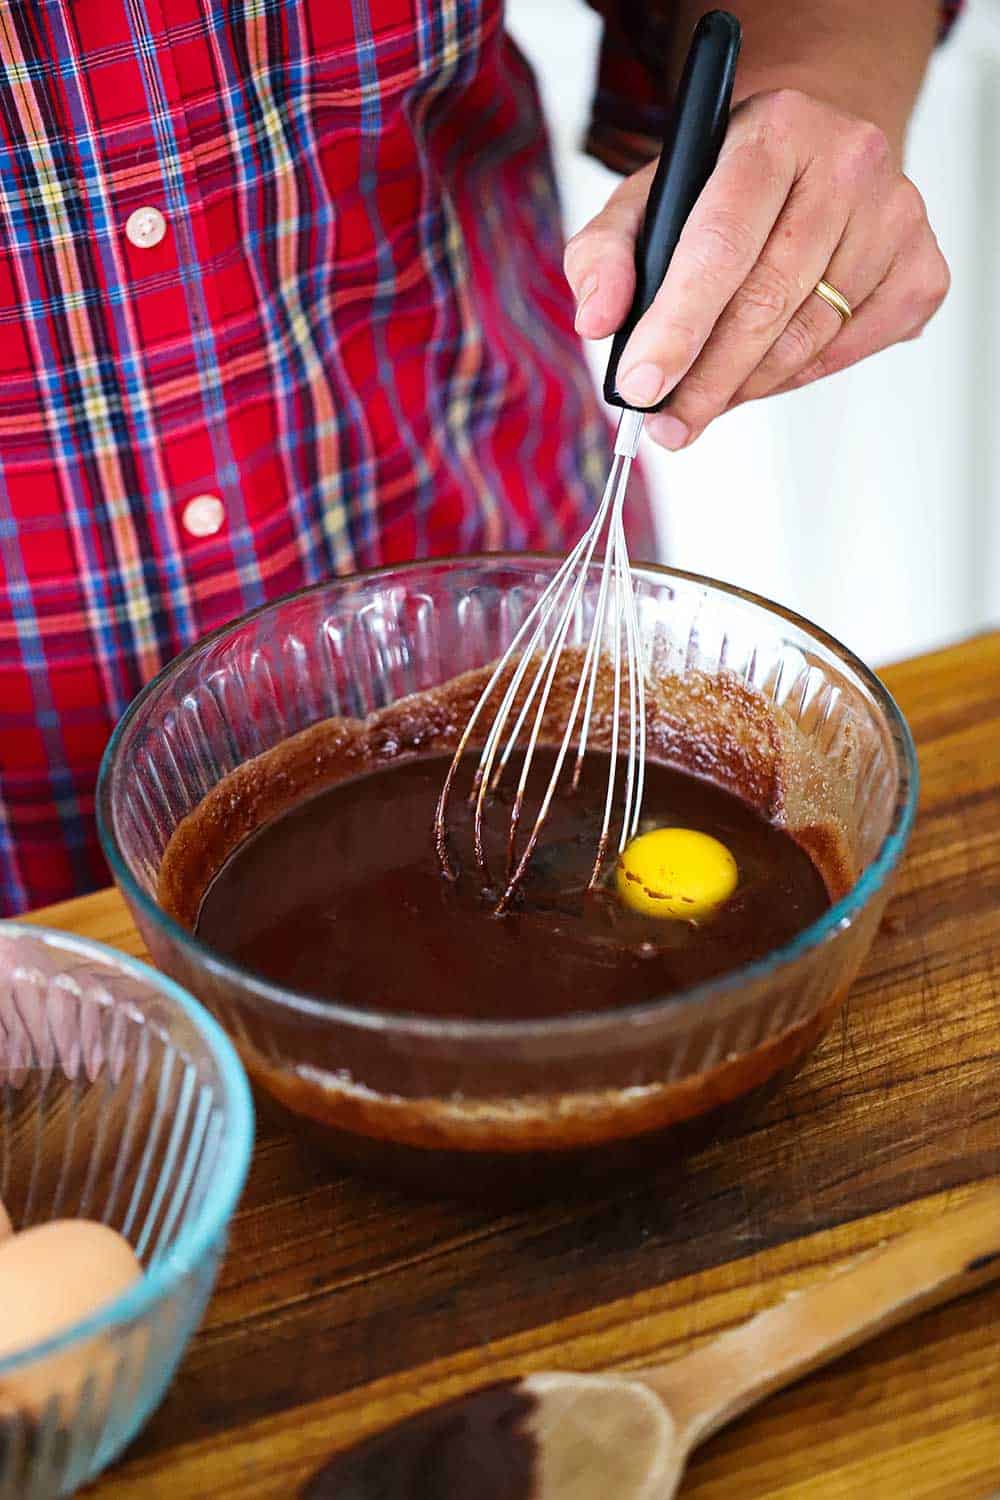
869 502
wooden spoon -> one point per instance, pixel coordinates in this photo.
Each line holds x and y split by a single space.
616 1437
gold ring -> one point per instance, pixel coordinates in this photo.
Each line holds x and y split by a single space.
836 299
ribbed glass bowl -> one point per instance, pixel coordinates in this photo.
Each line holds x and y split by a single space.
457 1102
121 1100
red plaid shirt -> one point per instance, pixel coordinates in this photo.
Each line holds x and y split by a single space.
280 296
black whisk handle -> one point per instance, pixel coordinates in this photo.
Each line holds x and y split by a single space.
691 146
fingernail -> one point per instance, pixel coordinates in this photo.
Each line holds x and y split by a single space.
641 385
667 430
587 289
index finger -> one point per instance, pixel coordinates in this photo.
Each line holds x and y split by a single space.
720 243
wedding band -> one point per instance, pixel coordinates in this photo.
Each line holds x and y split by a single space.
836 299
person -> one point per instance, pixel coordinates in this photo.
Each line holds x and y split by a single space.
282 296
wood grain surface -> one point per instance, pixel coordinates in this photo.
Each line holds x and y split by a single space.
344 1304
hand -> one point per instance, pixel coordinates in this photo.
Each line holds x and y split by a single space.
801 193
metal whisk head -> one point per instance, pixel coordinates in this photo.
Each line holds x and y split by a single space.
532 661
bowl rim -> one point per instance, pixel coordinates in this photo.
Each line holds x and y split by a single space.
197 1240
575 1024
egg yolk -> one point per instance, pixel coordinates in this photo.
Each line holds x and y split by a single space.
676 872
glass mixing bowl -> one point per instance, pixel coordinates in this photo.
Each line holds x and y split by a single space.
464 1104
120 1100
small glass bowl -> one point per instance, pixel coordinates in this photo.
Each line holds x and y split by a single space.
464 1104
121 1100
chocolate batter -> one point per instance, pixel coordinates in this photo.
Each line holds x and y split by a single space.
478 1443
342 897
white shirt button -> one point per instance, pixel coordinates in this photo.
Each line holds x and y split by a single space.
203 516
145 227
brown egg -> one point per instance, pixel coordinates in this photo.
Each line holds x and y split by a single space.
51 1276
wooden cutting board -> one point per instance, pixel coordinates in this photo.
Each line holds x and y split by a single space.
343 1304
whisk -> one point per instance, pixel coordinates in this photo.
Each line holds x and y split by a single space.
532 660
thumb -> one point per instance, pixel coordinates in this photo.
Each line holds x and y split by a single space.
600 260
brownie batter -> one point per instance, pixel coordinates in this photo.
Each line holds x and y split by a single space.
529 1111
479 1443
342 896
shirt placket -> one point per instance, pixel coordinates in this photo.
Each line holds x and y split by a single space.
206 504
207 550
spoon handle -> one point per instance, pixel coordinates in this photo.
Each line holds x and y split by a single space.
956 1253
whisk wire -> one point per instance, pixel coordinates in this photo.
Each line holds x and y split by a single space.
637 698
616 653
486 779
591 662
